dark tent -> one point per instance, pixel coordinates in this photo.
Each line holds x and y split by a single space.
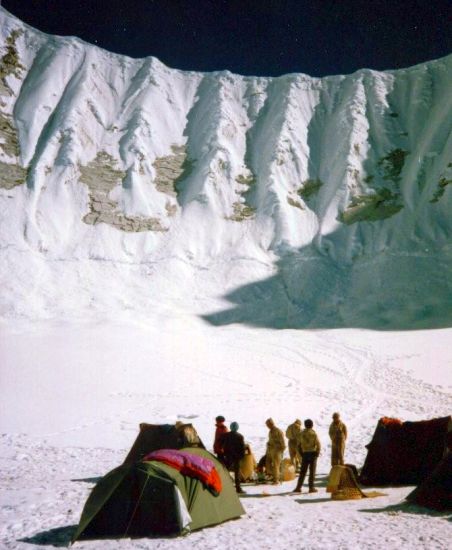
150 498
436 490
162 436
404 452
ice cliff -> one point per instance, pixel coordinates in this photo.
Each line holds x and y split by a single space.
307 202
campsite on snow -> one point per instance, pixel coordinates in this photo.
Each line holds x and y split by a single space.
178 245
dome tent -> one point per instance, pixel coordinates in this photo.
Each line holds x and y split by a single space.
150 498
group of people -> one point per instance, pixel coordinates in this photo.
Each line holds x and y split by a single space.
304 448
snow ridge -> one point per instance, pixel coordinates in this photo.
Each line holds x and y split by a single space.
126 161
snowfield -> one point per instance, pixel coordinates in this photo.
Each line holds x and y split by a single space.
73 395
177 245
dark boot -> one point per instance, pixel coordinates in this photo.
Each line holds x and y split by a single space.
301 476
312 469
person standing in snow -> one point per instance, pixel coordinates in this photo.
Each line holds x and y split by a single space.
292 433
338 435
233 452
310 449
220 430
275 450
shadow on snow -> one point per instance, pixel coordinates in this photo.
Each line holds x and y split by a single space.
59 537
408 508
310 290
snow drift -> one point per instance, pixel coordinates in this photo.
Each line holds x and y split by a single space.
306 202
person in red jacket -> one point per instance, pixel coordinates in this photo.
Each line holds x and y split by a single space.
220 430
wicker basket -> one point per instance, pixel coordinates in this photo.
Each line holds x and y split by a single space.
349 493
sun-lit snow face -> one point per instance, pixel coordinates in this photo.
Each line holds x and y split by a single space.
301 201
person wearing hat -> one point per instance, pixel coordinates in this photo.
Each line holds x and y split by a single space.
292 433
275 449
220 431
338 435
233 452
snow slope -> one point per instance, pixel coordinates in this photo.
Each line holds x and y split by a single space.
180 245
124 169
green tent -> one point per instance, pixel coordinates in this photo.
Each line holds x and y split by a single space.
151 498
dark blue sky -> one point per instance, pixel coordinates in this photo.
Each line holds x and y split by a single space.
255 37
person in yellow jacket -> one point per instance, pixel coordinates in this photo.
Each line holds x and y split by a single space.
338 435
275 450
292 433
310 449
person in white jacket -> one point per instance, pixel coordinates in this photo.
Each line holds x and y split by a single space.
292 433
310 449
338 435
275 450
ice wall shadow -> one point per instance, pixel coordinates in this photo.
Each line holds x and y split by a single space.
312 291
